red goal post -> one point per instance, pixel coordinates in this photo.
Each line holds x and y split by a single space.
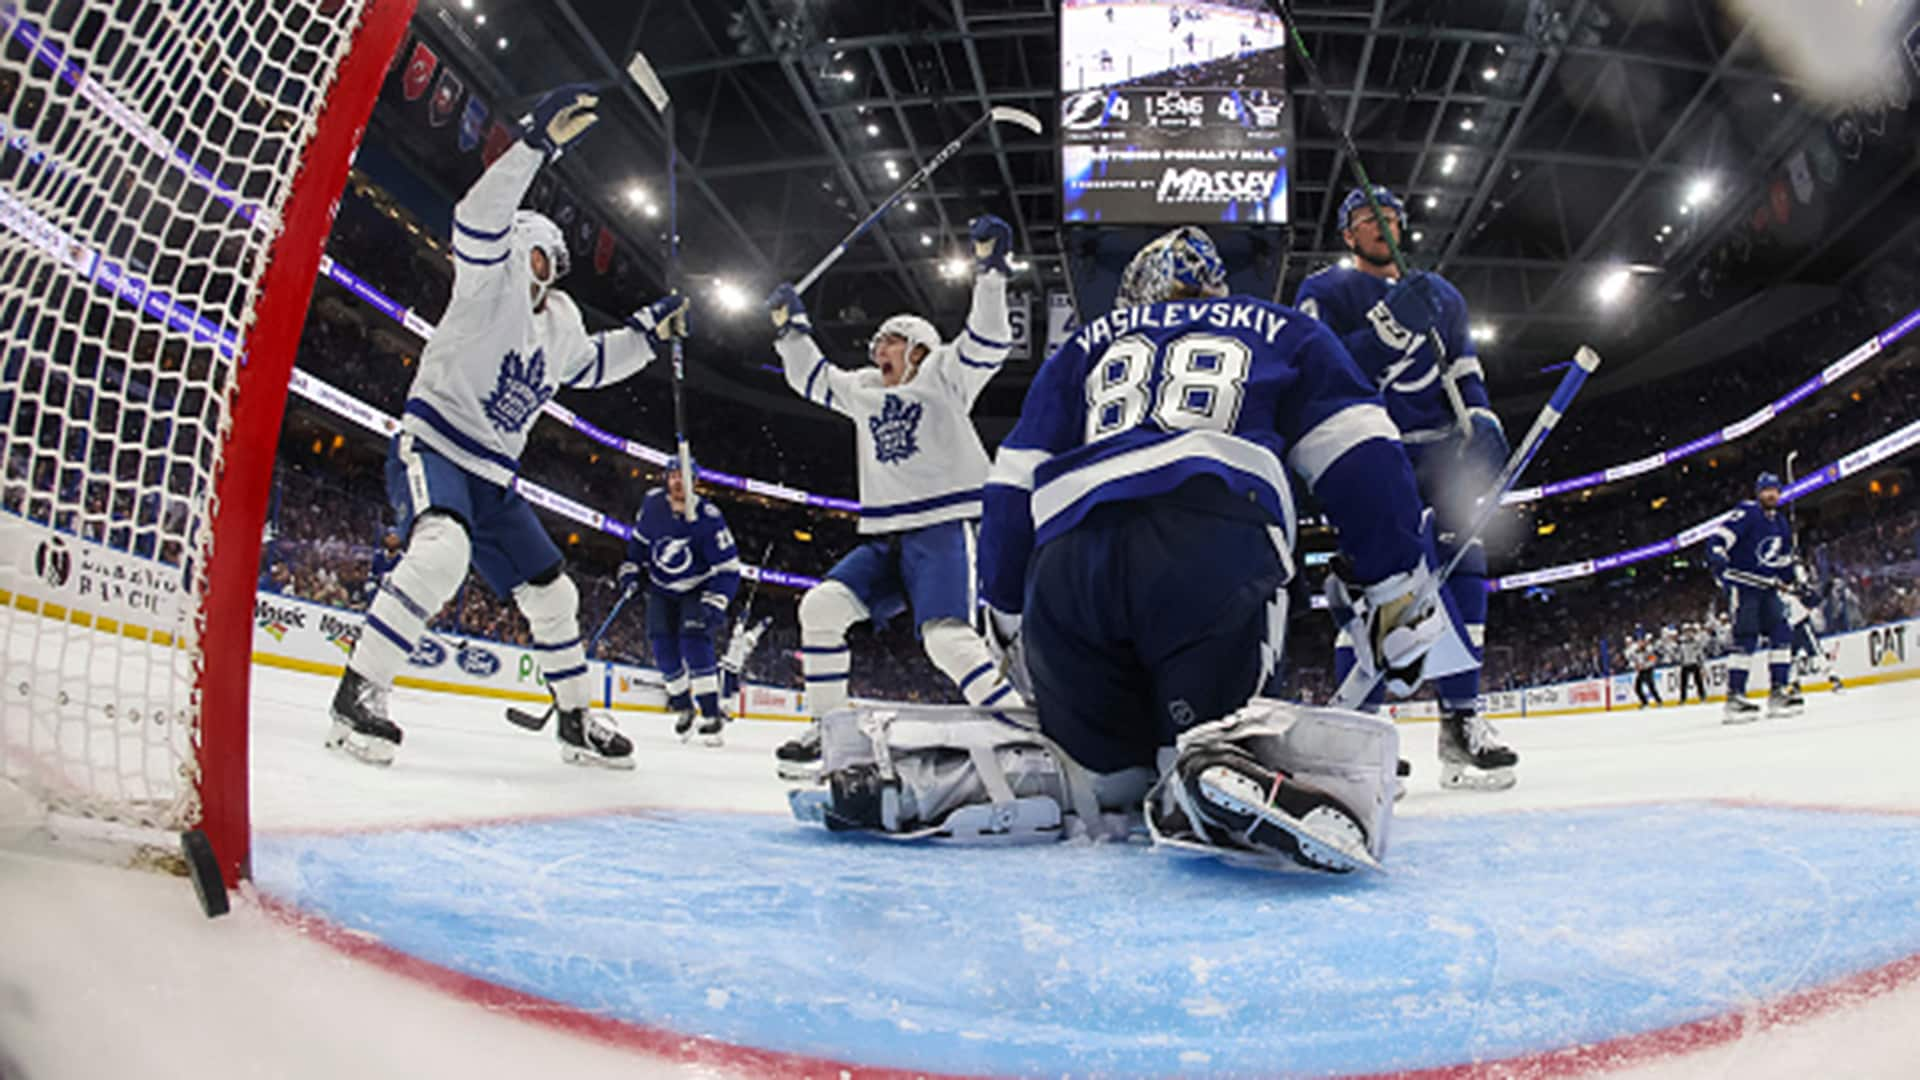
178 168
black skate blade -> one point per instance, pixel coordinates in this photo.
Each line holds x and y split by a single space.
574 755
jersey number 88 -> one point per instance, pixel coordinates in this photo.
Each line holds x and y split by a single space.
1193 381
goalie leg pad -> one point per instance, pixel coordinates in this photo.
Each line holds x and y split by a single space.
1350 758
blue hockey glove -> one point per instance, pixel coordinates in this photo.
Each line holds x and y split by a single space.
992 244
562 115
665 319
1410 310
629 577
788 313
713 606
1486 447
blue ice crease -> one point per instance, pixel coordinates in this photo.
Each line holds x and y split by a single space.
1493 935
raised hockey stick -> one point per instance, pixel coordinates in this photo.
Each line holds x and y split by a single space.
1360 681
532 722
1001 113
1320 92
1793 524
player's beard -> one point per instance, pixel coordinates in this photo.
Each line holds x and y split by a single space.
1381 255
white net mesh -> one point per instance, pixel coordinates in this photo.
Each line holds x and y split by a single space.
150 149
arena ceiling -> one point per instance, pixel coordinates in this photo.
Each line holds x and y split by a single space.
1543 145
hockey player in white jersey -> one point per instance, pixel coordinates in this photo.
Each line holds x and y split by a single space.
508 341
921 470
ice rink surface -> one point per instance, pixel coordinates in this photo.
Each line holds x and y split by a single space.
1661 896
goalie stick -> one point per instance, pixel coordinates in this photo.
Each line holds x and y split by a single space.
1000 113
1360 681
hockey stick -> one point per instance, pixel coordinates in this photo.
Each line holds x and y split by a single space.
1360 681
525 719
1793 524
1320 92
1002 113
643 76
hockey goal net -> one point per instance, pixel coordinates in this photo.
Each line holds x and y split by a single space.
167 181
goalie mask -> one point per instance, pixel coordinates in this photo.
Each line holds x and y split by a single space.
1180 263
912 329
533 230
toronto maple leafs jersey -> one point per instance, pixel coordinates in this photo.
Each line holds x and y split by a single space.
1146 399
1754 540
1401 365
682 556
920 458
493 362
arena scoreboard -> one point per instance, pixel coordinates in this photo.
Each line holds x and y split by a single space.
1173 113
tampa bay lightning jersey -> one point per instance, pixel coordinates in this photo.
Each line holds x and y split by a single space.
1146 399
493 362
682 556
920 458
1754 540
1402 366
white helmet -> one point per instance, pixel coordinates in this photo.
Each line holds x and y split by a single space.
911 328
533 229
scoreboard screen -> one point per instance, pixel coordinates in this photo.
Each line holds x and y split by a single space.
1173 112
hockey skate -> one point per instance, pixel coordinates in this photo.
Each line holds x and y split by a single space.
710 728
1785 701
1233 801
1739 710
1471 756
798 759
588 738
1835 684
683 724
360 724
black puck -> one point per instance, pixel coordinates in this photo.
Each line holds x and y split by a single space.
204 869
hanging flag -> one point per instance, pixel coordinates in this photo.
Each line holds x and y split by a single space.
473 119
446 95
499 137
603 250
419 71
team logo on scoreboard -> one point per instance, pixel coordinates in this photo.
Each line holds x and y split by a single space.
1084 111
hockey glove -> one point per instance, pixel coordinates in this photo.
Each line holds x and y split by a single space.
1410 310
1486 450
629 577
1391 624
992 244
788 313
713 605
562 115
1007 650
665 319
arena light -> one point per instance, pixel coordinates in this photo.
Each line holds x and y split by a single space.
1433 201
466 5
1489 74
1448 163
954 268
1346 262
1484 333
1700 191
845 76
652 210
926 239
480 20
1777 99
1466 123
873 130
731 298
501 44
636 195
893 169
1418 236
911 205
1612 285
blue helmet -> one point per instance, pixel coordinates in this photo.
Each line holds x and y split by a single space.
1764 481
1182 258
1357 198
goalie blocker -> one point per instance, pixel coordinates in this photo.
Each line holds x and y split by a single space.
1273 785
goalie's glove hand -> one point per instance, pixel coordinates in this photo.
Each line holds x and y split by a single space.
1004 645
629 577
665 319
1404 620
788 313
1409 312
562 115
992 244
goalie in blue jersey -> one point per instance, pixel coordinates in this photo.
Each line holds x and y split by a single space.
1439 403
1136 549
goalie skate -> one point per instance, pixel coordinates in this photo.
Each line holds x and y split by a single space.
360 724
1271 811
798 759
1471 756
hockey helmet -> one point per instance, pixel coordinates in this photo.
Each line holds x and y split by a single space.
533 229
1764 481
1357 198
1182 259
912 329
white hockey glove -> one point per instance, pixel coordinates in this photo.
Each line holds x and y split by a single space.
789 315
562 115
665 319
1007 650
629 577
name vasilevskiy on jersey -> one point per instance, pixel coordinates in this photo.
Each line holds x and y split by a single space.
1219 314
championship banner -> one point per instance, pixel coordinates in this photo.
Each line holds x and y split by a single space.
472 120
603 251
499 139
1020 314
446 95
419 71
1061 322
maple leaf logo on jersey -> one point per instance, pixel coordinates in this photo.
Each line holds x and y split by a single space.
893 430
521 390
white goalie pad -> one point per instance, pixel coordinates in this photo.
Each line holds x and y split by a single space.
1351 756
953 773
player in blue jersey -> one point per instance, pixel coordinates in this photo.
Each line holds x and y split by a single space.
691 572
1751 555
1135 549
385 558
1439 404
